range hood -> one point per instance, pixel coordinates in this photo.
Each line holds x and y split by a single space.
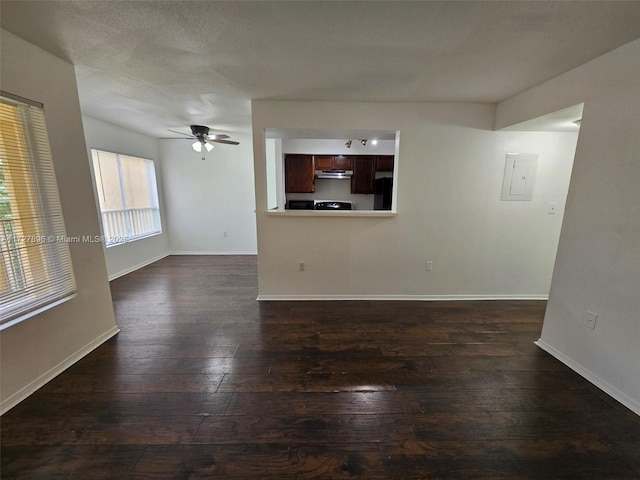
338 174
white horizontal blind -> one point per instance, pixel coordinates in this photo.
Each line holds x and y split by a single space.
35 265
128 195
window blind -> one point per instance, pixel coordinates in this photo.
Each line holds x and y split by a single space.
35 265
128 196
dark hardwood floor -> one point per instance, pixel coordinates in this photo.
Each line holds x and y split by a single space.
205 382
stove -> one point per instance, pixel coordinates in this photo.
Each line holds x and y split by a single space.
333 205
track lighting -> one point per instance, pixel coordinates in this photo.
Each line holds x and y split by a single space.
363 142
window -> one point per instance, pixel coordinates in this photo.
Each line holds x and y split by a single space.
126 189
35 265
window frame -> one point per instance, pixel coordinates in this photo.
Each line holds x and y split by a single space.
152 181
39 245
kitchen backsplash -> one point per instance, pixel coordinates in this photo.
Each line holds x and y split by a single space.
339 190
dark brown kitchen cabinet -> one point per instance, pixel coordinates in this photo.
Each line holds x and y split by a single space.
343 162
333 162
299 174
364 175
323 162
384 163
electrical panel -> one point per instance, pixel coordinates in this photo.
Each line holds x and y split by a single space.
519 176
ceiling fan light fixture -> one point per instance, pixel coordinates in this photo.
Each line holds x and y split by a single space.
199 130
203 138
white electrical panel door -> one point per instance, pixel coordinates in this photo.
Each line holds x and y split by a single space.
519 176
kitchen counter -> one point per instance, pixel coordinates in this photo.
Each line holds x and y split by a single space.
332 213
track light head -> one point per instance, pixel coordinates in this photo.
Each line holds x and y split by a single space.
363 142
348 144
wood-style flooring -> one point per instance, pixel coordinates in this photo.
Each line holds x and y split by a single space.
205 382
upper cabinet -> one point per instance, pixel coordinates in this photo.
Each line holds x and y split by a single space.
364 175
384 163
333 162
323 162
299 173
343 162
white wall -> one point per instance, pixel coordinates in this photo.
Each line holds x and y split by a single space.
36 350
125 258
205 198
598 263
449 182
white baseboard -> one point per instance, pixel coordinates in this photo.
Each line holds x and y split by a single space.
603 385
426 298
190 252
138 266
53 372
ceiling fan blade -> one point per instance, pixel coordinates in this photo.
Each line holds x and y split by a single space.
180 133
177 138
216 136
228 142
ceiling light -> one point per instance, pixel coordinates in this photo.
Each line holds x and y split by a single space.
208 146
374 141
363 142
197 146
348 144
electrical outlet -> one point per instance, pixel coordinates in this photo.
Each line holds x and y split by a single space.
301 266
225 234
590 319
428 266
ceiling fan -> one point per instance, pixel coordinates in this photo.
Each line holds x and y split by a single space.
202 137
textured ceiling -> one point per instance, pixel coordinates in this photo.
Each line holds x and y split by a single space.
157 65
